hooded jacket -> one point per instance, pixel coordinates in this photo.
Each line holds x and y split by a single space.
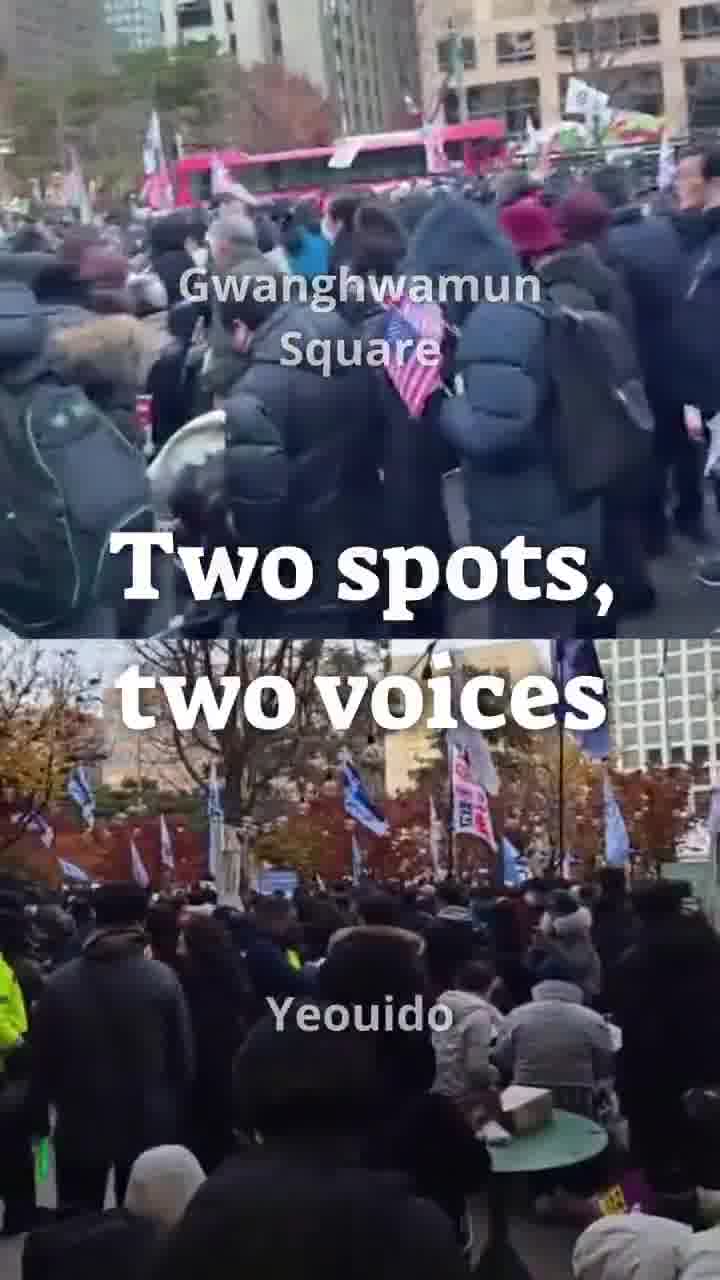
499 421
126 1064
555 1041
462 1053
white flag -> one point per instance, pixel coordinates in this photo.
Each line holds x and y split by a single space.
666 163
436 837
139 870
167 852
582 100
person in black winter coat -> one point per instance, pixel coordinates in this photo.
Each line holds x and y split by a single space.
302 461
421 1131
575 275
221 1009
498 423
655 257
327 1098
121 1081
414 454
276 1215
664 998
263 938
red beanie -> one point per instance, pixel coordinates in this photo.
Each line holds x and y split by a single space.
531 227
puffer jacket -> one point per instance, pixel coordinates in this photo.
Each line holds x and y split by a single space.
639 1246
462 1053
578 277
302 460
498 424
555 1041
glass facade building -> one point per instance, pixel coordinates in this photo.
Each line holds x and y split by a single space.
135 24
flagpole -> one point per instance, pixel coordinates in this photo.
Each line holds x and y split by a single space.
561 797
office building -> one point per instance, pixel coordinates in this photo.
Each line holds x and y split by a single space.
362 54
518 55
46 39
135 24
664 700
406 750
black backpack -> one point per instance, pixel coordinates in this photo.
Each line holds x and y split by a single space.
68 479
601 424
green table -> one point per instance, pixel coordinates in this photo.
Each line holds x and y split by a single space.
569 1139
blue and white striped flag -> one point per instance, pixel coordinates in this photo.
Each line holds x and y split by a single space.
80 791
216 822
617 840
358 804
38 825
167 850
72 872
139 870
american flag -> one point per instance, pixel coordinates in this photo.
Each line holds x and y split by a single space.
413 379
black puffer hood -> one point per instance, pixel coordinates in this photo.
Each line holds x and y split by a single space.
457 238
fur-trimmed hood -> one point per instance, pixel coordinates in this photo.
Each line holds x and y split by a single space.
378 931
577 923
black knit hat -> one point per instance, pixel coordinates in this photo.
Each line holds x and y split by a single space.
119 904
378 241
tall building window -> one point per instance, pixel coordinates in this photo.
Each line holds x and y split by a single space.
512 102
699 20
469 53
515 46
631 89
702 84
602 34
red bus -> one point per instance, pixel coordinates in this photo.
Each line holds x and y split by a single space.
377 161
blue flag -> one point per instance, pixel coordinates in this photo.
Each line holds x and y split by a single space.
573 658
358 804
617 840
80 791
72 872
514 872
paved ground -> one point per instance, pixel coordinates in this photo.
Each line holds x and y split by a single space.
686 609
546 1250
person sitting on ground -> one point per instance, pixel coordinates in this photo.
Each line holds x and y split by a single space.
556 1043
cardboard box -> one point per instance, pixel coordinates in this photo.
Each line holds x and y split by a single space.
526 1110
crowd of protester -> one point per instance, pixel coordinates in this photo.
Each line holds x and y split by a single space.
164 1041
318 461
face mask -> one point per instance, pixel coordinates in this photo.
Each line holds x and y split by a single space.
328 229
200 256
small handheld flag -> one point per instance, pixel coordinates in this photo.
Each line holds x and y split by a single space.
414 378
